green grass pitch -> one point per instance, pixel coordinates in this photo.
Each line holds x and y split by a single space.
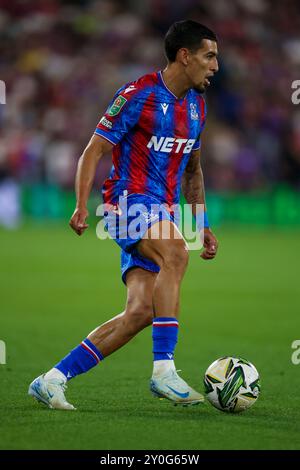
57 287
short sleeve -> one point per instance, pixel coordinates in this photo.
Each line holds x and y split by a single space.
121 115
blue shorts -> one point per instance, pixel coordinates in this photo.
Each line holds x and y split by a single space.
142 211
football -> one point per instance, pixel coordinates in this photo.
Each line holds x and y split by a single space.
232 384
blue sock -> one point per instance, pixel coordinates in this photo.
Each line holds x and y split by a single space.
80 360
164 335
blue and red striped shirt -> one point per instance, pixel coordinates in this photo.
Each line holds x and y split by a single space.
153 133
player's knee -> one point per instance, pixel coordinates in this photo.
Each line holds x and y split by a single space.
139 314
176 258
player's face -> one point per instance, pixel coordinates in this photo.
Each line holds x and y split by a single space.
202 64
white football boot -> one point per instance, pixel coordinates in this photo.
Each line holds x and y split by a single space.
175 389
50 392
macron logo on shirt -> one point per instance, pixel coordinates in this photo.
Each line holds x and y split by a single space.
167 144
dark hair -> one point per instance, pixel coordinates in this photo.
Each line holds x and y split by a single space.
187 34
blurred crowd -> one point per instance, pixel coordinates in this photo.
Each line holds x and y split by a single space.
62 61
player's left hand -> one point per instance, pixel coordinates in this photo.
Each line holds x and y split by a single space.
210 244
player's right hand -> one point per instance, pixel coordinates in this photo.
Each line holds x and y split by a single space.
78 220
